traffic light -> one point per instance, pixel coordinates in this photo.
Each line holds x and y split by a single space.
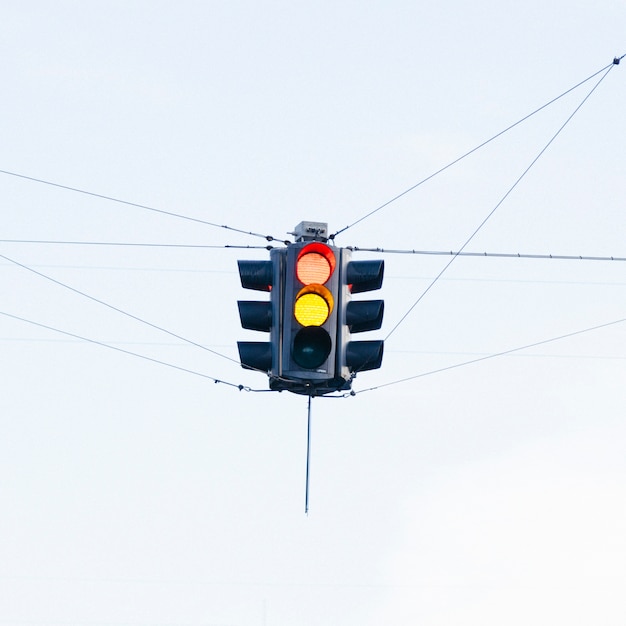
310 316
359 316
310 310
258 315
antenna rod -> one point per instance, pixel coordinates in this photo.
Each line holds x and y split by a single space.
308 459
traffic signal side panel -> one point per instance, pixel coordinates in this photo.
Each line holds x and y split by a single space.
263 316
359 316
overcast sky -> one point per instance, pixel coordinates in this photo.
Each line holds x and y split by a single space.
137 494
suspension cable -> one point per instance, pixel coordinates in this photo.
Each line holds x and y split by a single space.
129 352
504 197
137 205
615 61
493 356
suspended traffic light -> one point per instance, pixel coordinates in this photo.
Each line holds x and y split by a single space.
311 316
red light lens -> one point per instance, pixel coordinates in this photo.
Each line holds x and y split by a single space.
315 264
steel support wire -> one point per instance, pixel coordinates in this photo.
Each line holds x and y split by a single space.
116 309
135 244
504 197
493 356
135 204
615 61
129 352
493 255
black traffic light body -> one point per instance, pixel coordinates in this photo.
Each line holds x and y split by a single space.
311 317
359 316
310 313
261 316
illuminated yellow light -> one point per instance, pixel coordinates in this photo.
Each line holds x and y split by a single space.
313 305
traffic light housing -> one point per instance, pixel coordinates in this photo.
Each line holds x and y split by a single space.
311 316
309 325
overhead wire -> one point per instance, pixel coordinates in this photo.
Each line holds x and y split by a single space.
136 244
129 352
501 255
497 206
491 356
114 308
137 205
130 315
378 250
126 313
608 67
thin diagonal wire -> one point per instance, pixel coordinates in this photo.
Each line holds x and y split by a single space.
134 204
129 352
126 313
463 156
493 356
116 309
135 317
504 197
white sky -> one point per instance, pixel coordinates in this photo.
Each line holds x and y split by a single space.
134 494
